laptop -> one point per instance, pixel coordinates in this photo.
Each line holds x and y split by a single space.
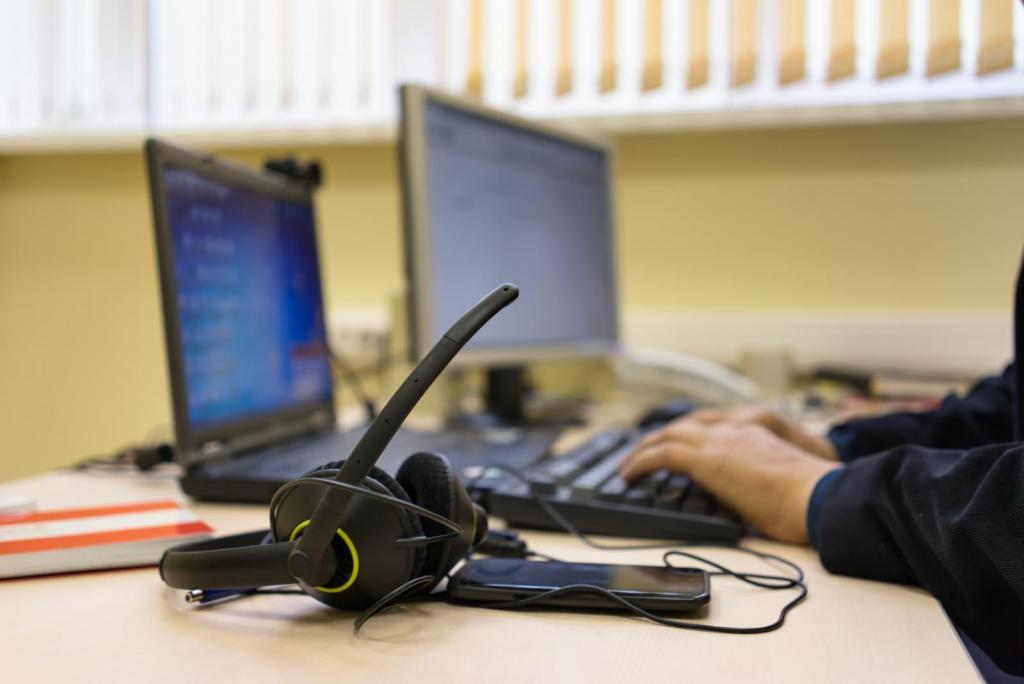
247 350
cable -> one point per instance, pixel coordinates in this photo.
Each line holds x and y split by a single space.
401 594
763 581
344 369
637 610
564 523
760 580
391 599
145 457
454 529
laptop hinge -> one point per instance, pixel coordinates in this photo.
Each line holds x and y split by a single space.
267 436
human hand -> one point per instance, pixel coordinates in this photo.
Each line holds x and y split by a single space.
749 468
783 427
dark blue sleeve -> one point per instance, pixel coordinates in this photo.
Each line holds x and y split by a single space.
951 521
818 498
984 416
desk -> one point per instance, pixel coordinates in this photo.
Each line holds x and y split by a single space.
126 626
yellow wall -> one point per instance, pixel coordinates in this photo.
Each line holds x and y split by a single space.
895 217
862 218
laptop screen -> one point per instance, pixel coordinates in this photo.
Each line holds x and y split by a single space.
247 284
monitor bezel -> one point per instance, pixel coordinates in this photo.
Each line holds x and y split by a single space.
417 234
199 443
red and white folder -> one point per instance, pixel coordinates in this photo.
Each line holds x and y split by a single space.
75 539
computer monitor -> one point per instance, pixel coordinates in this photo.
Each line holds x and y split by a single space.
242 300
490 198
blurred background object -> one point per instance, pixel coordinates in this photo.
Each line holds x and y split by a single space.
834 179
102 72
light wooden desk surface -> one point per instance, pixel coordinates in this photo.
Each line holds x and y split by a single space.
126 626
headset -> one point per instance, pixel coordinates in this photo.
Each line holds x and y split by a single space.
347 533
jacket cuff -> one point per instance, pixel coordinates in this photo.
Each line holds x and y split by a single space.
842 441
817 502
852 537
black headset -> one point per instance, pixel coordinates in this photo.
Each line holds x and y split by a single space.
348 533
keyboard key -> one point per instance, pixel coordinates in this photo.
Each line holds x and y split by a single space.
541 484
642 493
564 468
607 441
673 493
613 490
586 486
697 503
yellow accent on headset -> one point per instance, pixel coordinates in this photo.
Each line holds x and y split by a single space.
351 549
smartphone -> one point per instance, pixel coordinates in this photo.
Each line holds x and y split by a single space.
653 588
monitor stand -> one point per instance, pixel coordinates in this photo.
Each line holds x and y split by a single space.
506 399
505 432
505 396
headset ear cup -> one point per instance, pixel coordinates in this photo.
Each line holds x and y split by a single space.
432 483
429 481
396 490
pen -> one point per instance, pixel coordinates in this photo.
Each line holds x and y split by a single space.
210 595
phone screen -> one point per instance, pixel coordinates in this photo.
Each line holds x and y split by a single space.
504 573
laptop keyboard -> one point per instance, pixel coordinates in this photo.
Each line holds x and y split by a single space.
288 459
464 450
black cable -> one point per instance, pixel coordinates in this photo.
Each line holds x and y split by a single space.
763 581
275 504
575 531
115 461
637 610
400 594
144 457
391 599
351 378
564 523
753 552
760 580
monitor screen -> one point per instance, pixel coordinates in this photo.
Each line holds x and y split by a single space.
249 301
509 203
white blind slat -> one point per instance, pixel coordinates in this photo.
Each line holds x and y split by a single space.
165 65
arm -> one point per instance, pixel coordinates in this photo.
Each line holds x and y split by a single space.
983 416
951 521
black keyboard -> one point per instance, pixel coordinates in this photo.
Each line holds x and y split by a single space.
583 485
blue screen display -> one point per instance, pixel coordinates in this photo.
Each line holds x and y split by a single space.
249 300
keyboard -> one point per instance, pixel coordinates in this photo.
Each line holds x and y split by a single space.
584 486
